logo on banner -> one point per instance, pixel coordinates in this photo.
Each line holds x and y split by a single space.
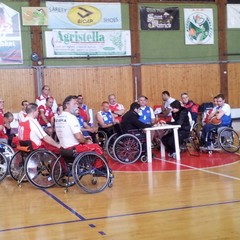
199 28
84 15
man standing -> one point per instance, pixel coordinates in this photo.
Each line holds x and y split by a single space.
117 109
41 100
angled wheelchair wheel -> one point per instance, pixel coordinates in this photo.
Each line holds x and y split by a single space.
38 167
16 166
101 138
193 144
198 127
7 151
109 145
127 149
229 140
62 173
91 172
3 166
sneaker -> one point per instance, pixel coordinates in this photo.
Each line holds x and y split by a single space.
172 155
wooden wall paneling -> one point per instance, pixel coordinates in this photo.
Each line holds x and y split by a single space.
201 81
95 84
16 85
233 73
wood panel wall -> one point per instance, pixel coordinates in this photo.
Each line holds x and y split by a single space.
200 81
16 85
233 73
95 84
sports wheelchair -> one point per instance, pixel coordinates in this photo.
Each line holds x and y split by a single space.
31 165
128 147
6 154
89 170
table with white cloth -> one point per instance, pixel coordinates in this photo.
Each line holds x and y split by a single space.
162 147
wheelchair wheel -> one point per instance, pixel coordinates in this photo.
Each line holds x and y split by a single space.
109 145
101 138
91 172
16 166
229 140
3 166
7 151
62 173
38 167
198 129
193 144
127 149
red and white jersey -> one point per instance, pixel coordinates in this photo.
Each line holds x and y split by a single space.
48 112
116 107
41 100
30 129
21 116
3 131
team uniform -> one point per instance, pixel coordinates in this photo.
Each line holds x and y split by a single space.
21 116
3 136
83 112
30 129
116 107
48 114
41 100
107 119
67 125
146 115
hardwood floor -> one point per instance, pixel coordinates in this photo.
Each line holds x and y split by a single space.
175 202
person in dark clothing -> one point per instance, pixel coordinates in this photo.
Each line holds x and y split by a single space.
130 119
180 116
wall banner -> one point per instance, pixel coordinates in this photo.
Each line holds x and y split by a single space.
233 15
199 26
10 36
159 18
84 15
83 43
34 16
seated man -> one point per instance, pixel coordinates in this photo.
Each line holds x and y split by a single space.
117 109
30 129
46 116
180 116
105 119
130 119
190 106
22 114
146 114
68 129
221 115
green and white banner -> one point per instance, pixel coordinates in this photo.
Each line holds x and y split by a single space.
199 26
78 43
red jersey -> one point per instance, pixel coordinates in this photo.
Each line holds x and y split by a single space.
114 108
3 131
48 114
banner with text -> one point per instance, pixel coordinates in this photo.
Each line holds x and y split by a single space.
233 15
10 36
159 18
199 26
80 43
84 15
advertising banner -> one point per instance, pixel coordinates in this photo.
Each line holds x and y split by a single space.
199 26
10 36
233 15
84 15
34 16
83 43
159 18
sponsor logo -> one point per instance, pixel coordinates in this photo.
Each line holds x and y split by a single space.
199 28
84 15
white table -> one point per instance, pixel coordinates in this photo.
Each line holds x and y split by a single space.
149 140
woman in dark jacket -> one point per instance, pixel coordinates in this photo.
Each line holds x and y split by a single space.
180 116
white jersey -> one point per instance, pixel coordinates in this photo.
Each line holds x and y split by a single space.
42 101
167 105
67 125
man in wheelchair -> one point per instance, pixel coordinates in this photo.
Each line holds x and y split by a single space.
68 129
219 117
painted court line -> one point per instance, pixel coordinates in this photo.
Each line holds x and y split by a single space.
200 169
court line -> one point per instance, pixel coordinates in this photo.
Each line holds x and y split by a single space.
200 169
125 215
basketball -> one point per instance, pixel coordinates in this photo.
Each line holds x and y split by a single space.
215 121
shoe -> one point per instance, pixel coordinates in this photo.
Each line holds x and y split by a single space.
172 155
